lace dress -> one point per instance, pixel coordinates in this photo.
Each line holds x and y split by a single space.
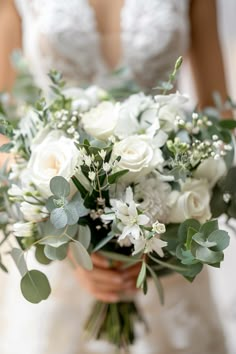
62 34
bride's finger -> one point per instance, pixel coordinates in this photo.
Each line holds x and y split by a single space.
131 272
100 261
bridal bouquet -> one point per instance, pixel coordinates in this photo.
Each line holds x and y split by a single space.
139 181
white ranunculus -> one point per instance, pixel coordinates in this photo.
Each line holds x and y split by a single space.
193 201
56 155
170 106
138 156
100 122
212 170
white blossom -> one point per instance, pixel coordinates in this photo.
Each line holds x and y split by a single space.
21 229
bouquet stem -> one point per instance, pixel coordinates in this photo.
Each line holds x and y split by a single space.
114 323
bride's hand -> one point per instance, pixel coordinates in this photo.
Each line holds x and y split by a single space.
105 283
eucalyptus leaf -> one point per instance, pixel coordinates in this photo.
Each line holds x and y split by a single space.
59 186
72 214
50 205
19 259
35 286
56 253
220 238
208 256
183 228
81 255
209 227
84 236
40 255
202 241
58 218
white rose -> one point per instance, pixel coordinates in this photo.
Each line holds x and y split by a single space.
136 113
138 156
193 201
56 155
212 170
100 122
170 106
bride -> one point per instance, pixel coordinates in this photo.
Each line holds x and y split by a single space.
87 40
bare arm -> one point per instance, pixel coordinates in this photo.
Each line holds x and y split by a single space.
10 39
205 52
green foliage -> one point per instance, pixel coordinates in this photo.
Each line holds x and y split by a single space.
35 286
223 199
81 255
40 255
6 147
56 253
62 211
142 276
84 235
19 259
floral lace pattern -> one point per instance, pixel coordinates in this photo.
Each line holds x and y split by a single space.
63 35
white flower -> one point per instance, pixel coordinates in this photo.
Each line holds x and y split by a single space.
106 166
15 191
193 201
102 154
136 113
138 156
130 220
56 155
158 227
170 107
23 229
146 245
100 122
33 212
152 194
212 170
92 175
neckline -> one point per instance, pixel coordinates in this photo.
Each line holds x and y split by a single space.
102 58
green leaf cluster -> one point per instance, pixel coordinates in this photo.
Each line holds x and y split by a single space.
62 211
196 245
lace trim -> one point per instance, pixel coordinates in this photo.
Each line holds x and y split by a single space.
65 37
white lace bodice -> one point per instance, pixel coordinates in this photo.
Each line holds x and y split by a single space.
63 35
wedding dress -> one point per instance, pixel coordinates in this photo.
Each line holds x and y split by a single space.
62 34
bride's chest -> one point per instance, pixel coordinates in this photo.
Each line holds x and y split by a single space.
85 37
